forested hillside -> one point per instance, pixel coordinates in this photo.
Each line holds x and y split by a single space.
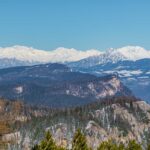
120 119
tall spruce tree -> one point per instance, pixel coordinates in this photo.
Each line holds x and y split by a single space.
133 146
79 141
121 146
47 144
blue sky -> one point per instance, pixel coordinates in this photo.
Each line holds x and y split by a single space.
81 24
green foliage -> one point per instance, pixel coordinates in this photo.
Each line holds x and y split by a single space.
79 141
121 147
133 146
47 144
107 145
148 147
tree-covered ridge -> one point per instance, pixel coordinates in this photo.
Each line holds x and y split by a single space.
120 119
79 143
56 85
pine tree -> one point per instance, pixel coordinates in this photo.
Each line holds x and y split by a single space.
133 146
121 147
108 145
47 143
79 141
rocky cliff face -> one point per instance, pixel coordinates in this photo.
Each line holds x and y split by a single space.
134 74
117 121
120 123
57 86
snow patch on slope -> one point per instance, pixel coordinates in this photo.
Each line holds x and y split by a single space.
124 73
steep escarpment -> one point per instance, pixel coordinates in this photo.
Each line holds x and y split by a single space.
56 85
134 74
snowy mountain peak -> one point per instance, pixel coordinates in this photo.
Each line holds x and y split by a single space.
30 54
130 53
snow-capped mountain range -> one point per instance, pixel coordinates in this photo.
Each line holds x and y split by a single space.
131 63
131 53
22 55
29 54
